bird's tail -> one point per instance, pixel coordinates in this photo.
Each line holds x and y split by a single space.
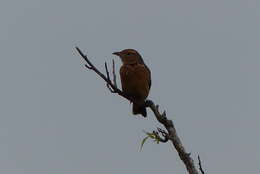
139 109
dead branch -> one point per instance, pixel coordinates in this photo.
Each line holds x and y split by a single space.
114 74
164 134
168 124
200 166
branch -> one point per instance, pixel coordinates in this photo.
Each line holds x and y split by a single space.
163 133
90 66
114 74
168 124
200 166
173 136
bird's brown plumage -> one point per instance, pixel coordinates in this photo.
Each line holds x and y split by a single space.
135 79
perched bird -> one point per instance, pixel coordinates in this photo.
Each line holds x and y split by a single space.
135 79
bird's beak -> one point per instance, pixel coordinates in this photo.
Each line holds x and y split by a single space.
117 53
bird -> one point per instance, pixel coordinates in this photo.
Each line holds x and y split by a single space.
135 79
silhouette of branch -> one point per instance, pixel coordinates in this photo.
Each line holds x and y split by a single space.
173 136
164 134
200 166
168 124
114 74
90 66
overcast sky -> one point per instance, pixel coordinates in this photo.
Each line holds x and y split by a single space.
57 117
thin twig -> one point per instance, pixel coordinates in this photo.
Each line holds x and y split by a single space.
108 76
89 65
114 74
200 166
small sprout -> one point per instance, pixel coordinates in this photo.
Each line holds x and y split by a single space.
154 136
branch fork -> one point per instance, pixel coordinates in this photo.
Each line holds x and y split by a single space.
164 134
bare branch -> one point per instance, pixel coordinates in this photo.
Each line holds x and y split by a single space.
87 66
200 166
162 118
108 76
163 133
92 67
110 89
173 137
114 74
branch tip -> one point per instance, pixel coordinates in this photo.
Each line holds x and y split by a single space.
200 166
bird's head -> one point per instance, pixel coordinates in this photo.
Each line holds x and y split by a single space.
129 56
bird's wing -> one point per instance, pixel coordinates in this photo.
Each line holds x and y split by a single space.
149 77
136 79
149 72
144 73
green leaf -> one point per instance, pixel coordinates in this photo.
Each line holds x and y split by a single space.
151 135
143 141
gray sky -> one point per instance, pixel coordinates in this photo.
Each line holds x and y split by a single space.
58 118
